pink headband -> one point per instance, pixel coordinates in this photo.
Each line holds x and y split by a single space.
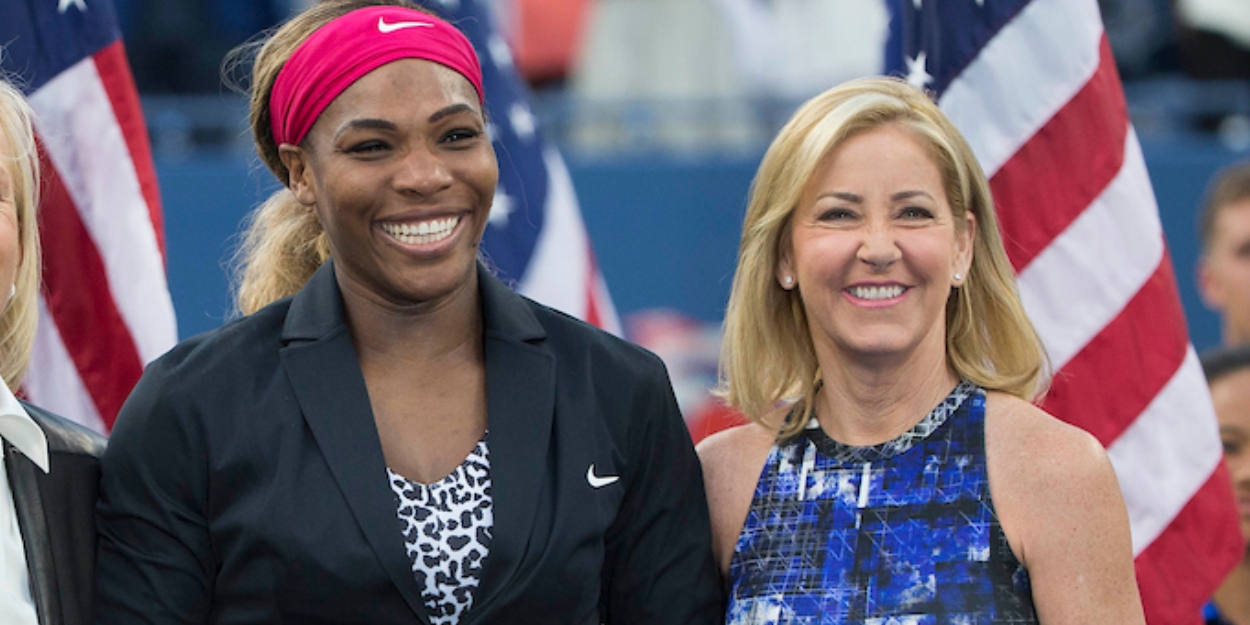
350 46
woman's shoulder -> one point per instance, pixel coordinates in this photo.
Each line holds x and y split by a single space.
1023 430
727 449
65 436
203 382
732 461
231 348
1047 477
733 458
585 345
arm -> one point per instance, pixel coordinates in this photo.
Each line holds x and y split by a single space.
659 559
154 559
1060 506
732 462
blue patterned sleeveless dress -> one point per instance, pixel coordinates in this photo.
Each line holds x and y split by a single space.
901 533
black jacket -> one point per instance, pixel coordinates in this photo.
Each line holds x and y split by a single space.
56 515
245 482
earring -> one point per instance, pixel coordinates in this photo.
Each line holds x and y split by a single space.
12 291
789 281
958 276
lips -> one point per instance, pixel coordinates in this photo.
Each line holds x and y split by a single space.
423 232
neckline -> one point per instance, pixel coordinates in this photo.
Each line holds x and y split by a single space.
479 452
843 452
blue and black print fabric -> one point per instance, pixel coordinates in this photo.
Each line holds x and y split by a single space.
901 533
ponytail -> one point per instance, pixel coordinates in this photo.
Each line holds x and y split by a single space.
283 244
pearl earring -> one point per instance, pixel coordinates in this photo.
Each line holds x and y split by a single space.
789 280
12 291
958 276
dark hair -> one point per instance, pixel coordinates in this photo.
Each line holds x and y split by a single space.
1230 184
1221 361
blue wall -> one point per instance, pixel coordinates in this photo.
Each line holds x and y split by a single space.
665 228
1180 170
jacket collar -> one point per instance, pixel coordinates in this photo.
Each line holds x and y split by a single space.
317 310
20 430
321 364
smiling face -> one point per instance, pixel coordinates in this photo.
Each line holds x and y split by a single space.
874 248
402 174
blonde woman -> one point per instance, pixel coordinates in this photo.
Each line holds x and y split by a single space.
50 469
895 467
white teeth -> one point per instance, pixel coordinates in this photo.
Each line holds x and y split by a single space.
422 233
876 292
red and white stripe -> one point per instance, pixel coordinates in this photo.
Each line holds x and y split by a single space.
563 256
1043 109
106 309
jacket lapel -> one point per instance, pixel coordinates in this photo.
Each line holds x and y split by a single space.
520 399
321 363
36 539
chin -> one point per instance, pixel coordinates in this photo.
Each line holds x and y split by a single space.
880 346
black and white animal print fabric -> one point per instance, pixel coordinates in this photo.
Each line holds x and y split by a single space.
447 529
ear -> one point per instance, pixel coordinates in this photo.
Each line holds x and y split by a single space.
299 174
965 242
1209 287
785 269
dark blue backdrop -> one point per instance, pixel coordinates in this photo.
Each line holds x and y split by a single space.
665 228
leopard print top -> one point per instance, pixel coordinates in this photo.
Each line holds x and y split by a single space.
447 529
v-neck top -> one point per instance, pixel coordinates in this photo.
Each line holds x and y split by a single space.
447 527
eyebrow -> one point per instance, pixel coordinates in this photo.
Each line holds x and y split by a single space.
366 124
907 195
847 196
449 111
370 123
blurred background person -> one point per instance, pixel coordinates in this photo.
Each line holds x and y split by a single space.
1214 38
906 476
1224 267
1228 374
392 434
50 468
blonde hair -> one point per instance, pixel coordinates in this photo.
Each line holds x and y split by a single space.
283 242
21 157
768 356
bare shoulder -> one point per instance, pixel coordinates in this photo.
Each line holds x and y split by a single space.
1058 499
1054 448
723 450
732 460
1040 465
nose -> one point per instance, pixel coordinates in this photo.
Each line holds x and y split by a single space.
423 171
878 248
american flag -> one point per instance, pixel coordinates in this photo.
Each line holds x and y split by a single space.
1034 88
535 239
105 309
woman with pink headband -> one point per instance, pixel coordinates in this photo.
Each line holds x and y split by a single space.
391 435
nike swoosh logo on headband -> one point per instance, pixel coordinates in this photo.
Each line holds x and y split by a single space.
384 28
